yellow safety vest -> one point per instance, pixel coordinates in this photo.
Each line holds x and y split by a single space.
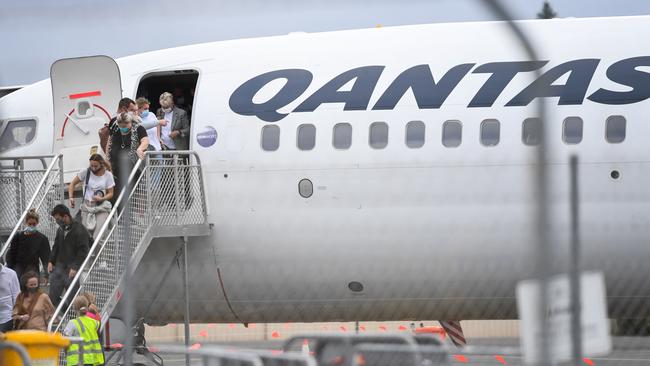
92 349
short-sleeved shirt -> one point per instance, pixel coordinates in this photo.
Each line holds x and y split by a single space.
97 185
121 142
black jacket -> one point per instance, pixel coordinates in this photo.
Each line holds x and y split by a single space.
26 250
71 249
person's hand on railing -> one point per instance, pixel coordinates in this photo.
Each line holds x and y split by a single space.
140 154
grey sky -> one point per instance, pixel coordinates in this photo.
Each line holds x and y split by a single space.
37 32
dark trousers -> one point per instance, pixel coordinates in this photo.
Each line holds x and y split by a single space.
5 327
59 280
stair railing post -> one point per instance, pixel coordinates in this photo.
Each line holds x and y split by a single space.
176 190
186 291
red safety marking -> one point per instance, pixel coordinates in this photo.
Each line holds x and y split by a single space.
203 333
589 361
401 327
196 346
461 358
117 345
95 93
275 335
343 328
72 111
501 359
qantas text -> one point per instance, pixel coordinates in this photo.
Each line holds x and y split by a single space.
431 94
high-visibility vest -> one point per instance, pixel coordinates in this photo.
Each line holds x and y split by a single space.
92 349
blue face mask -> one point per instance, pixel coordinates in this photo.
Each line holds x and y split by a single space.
30 229
124 129
144 113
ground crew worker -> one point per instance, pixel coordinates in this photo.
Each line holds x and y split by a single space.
87 328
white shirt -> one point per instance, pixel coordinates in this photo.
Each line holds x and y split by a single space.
9 290
152 132
96 183
166 130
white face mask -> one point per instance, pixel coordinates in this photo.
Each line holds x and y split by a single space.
167 110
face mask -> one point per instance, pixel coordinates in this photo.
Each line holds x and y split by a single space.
144 114
124 129
30 230
167 110
32 290
95 170
60 222
131 113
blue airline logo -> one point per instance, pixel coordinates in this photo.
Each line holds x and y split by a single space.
431 94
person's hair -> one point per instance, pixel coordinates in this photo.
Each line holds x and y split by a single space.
124 103
166 97
91 302
80 304
125 118
32 215
61 209
141 101
100 159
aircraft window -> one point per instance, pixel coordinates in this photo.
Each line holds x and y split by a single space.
415 134
572 130
306 137
531 133
490 131
17 133
452 133
270 138
615 130
342 136
378 135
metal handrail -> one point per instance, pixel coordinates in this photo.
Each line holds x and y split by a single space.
41 158
19 349
58 159
80 271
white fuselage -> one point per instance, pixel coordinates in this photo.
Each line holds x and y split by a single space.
430 232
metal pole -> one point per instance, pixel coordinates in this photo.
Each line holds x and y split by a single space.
576 306
127 298
186 291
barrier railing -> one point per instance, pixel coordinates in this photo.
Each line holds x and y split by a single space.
45 194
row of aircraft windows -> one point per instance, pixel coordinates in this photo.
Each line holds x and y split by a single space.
452 133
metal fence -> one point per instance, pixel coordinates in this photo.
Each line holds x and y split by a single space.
25 189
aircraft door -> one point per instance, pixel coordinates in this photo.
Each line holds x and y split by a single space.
84 91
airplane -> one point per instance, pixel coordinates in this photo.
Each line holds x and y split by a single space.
379 174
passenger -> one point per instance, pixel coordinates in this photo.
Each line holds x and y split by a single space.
9 290
98 189
68 253
33 309
176 134
130 140
27 247
87 329
148 118
125 105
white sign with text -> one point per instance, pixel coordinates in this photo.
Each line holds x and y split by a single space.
596 339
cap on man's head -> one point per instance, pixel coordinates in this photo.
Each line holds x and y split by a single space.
61 210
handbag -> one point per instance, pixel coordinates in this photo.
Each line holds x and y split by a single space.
77 217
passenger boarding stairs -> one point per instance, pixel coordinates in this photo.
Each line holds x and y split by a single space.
167 199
